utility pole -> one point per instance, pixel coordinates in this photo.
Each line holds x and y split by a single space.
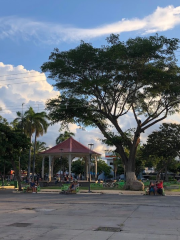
22 117
23 132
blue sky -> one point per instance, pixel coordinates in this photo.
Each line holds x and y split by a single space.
30 30
81 14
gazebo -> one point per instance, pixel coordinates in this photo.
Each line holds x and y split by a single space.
70 148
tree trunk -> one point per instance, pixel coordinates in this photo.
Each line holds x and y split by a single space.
16 170
166 176
29 162
3 174
34 156
131 181
158 176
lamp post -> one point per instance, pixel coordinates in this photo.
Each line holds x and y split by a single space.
90 145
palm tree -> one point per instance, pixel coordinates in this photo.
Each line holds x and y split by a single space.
31 122
63 136
40 125
21 123
40 146
37 123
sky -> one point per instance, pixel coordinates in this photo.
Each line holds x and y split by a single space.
30 30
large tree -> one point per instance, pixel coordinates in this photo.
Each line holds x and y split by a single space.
163 147
12 144
101 86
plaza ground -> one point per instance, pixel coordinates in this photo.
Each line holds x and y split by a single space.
88 216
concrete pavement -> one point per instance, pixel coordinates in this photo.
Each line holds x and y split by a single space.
117 192
88 216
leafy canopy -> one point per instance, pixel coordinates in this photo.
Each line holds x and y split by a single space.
99 86
163 147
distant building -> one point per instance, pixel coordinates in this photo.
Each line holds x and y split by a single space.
109 157
148 170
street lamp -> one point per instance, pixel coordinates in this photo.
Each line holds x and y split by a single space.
90 145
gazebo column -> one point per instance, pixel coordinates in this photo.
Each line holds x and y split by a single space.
70 159
95 167
87 168
50 167
42 173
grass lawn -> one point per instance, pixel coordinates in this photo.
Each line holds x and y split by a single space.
173 190
51 187
84 188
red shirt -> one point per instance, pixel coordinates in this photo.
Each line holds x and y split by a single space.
159 185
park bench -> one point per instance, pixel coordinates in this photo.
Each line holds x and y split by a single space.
65 188
147 192
30 190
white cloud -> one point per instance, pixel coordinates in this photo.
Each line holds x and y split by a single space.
162 19
32 90
35 93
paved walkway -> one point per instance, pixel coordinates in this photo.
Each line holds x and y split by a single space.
119 192
88 216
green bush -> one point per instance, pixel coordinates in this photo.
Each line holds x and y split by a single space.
171 178
152 177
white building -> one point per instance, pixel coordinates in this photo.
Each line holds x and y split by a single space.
109 157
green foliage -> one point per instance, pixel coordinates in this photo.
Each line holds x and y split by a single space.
61 164
99 86
29 123
64 136
3 121
78 167
152 177
103 167
163 147
13 144
40 147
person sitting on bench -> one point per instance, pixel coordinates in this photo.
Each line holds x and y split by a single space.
71 187
31 187
159 186
76 184
151 188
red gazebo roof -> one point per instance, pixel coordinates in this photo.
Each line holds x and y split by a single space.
67 147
